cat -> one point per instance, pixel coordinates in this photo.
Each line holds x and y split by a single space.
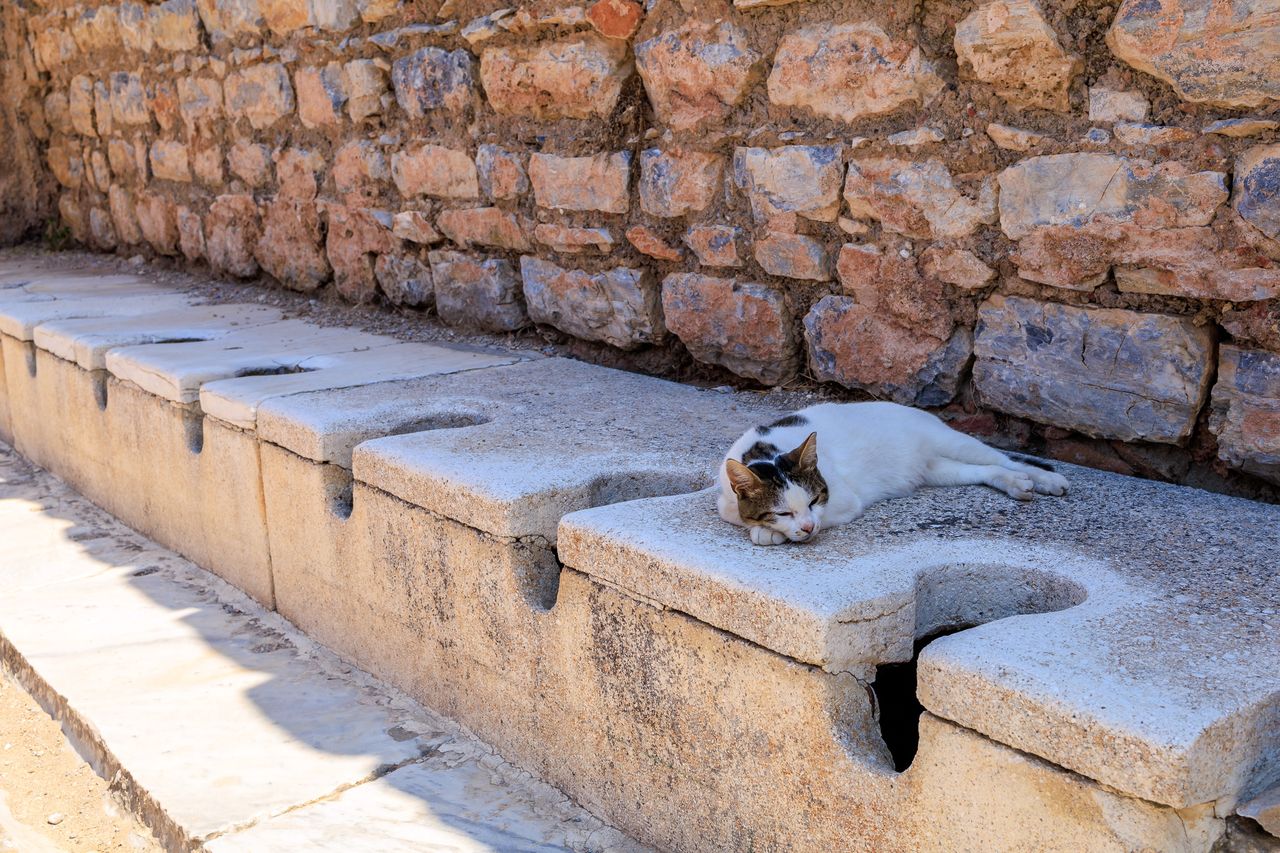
844 457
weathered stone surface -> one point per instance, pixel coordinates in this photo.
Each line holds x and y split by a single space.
163 101
1108 373
916 199
1073 189
793 256
80 105
199 102
1265 810
1014 138
1209 52
577 76
231 234
291 246
1240 127
100 171
647 242
298 173
860 347
123 160
322 93
67 166
135 20
801 180
250 162
916 137
104 116
502 173
413 226
175 25
1112 105
618 306
226 19
284 16
849 72
889 283
57 112
260 93
102 232
1134 133
570 240
477 293
433 79
615 19
678 181
124 216
697 73
485 226
405 280
366 88
54 47
956 266
597 183
1009 44
95 29
715 245
743 326
158 222
435 171
360 169
190 234
1256 191
356 236
169 161
128 100
1246 410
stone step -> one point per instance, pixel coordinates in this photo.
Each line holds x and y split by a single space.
224 726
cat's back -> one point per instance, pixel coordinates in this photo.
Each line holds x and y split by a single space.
865 419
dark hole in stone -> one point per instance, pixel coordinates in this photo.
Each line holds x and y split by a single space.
29 350
193 431
281 370
100 389
142 573
342 503
900 710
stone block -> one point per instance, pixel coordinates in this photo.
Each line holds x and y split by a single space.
597 183
227 19
290 247
619 307
96 29
743 326
170 161
261 94
321 94
803 180
485 226
135 21
124 217
190 234
199 102
570 240
158 222
1256 188
715 245
232 229
432 79
128 100
648 242
697 73
793 256
405 280
360 168
477 293
433 170
356 237
678 181
1246 410
251 163
502 173
1112 105
80 105
366 88
574 77
1109 373
175 25
1009 45
916 198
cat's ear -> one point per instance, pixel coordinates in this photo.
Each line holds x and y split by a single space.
805 457
742 478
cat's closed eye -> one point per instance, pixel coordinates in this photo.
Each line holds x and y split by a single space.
784 514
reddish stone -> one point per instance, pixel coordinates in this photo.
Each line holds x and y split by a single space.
366 86
579 76
1010 45
957 266
618 306
80 105
356 237
743 326
891 285
158 222
297 173
291 245
570 240
190 234
251 163
714 245
615 19
67 166
915 198
360 170
413 226
597 183
1246 410
321 93
697 73
678 181
124 216
231 233
162 100
649 243
169 161
260 93
502 174
485 226
477 293
175 25
199 102
793 256
435 171
102 233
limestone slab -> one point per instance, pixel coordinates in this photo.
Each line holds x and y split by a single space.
177 371
86 341
24 308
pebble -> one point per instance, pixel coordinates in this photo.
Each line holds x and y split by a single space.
54 819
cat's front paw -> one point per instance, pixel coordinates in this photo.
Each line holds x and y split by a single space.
1050 483
765 536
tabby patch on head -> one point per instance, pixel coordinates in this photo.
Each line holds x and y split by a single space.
780 491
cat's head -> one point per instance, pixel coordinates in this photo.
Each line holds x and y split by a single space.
787 493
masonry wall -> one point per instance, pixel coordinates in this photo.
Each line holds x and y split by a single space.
1059 220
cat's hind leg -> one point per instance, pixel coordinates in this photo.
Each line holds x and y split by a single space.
951 472
966 448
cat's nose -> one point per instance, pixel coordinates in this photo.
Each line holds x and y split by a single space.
807 527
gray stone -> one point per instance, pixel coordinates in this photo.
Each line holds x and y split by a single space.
405 280
1246 410
432 79
618 306
1109 373
260 93
1256 191
477 293
795 179
128 100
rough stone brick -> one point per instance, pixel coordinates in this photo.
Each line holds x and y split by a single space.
190 234
260 93
356 237
432 79
649 243
697 73
366 87
298 173
502 173
100 171
124 216
861 347
57 112
404 280
743 326
54 48
206 163
158 222
226 19
485 226
1134 133
435 171
284 16
66 165
1073 189
80 105
73 214
102 234
360 168
169 161
578 76
176 25
1109 373
1015 138
1246 410
795 179
123 160
793 256
162 99
678 181
597 183
1240 127
290 246
570 240
96 29
477 293
231 233
102 112
915 198
251 163
615 19
715 245
957 266
849 72
413 226
1209 53
1111 105
199 102
890 284
1256 191
321 95
373 11
1010 45
618 306
128 100
335 16
135 27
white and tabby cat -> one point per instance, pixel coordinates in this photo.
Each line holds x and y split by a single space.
823 466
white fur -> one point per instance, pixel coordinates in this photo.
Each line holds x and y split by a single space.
871 451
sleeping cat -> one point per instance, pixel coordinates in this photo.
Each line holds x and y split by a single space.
824 465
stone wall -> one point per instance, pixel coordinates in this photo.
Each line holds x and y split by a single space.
27 190
1061 220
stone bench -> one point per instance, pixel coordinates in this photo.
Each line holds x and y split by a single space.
528 548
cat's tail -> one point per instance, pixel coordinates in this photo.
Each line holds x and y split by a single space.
1032 461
